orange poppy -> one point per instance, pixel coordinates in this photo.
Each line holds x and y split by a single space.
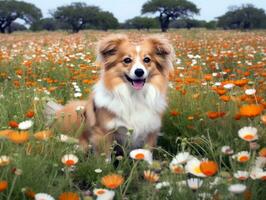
5 133
13 124
225 98
43 135
209 168
112 181
68 196
174 113
241 82
263 119
29 114
151 176
3 185
18 137
251 110
214 115
262 152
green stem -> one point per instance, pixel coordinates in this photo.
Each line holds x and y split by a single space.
129 179
12 187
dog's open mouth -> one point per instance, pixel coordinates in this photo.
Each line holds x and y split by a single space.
137 84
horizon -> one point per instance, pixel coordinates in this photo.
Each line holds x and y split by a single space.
121 12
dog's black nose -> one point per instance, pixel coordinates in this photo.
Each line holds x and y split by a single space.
139 72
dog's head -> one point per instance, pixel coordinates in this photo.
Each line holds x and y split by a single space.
134 63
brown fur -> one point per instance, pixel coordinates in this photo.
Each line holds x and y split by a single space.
111 52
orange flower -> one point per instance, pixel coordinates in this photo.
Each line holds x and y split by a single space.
13 124
29 193
43 135
262 152
208 77
3 185
112 181
68 196
5 133
214 115
241 83
18 137
209 168
29 114
150 176
251 110
263 119
225 98
221 91
174 113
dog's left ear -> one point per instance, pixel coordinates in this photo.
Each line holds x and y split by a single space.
163 49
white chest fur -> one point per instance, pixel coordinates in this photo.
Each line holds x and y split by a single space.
137 110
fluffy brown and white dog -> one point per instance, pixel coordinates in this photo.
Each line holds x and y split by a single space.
130 94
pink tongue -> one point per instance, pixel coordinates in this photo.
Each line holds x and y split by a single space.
137 85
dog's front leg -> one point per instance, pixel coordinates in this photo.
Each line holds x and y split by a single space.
101 142
151 140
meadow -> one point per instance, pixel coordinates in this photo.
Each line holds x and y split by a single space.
213 143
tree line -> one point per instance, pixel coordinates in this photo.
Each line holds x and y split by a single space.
167 14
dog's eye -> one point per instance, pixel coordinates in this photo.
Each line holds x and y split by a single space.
147 60
127 60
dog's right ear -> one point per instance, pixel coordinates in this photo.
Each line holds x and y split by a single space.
109 47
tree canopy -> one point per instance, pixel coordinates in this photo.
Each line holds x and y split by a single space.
81 15
169 10
141 23
13 10
244 17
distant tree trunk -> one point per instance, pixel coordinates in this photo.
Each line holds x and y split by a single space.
164 22
2 30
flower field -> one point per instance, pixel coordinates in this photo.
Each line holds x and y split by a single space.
213 143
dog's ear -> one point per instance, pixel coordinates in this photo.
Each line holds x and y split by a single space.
163 50
109 46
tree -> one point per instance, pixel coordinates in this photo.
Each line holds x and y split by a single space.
17 27
169 10
142 23
80 15
244 17
49 24
11 10
107 21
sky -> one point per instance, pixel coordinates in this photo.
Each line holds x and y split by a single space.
126 9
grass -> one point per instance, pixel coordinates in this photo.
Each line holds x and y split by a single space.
36 67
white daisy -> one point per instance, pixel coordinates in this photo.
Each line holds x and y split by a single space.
4 160
194 183
248 133
255 173
241 175
98 171
242 156
104 194
182 158
229 86
250 91
25 125
193 167
43 196
237 188
77 94
227 150
69 160
161 185
141 154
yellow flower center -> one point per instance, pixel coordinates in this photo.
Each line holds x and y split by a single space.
197 170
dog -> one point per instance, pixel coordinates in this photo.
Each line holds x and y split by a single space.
131 94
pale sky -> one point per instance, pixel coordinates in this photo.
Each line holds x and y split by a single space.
126 9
